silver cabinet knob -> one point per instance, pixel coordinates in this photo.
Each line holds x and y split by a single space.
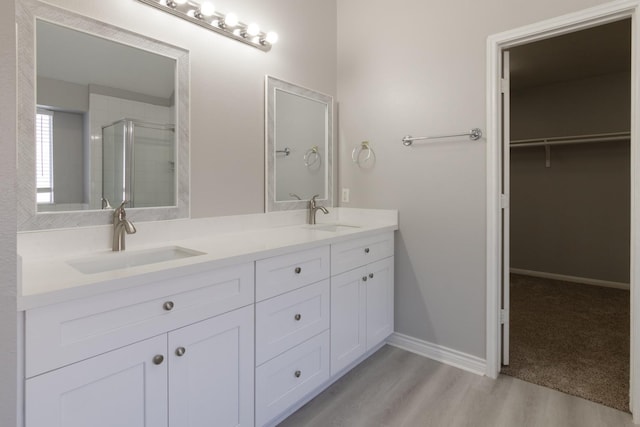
370 275
168 305
366 250
180 351
364 278
298 316
298 270
297 374
158 359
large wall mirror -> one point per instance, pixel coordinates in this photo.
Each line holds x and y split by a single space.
298 156
103 119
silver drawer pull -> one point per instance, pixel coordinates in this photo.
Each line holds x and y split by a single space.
364 278
297 374
298 316
366 250
180 351
158 359
370 275
298 270
168 305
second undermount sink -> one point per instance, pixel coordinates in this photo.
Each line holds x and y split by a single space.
120 260
333 227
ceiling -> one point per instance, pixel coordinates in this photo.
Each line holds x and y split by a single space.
582 54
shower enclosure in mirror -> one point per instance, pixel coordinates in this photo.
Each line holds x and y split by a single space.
85 76
138 164
299 124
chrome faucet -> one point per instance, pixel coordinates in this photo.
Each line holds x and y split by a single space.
121 225
313 208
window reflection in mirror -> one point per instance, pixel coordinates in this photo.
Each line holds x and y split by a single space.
86 83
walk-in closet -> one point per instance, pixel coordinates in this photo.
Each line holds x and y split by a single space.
569 176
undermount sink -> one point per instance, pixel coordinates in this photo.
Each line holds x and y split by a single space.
333 227
119 260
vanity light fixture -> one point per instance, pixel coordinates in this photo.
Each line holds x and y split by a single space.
205 15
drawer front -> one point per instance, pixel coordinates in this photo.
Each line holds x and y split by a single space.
348 255
64 333
286 379
289 319
284 273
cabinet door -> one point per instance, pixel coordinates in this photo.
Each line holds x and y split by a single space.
379 286
123 388
211 372
348 318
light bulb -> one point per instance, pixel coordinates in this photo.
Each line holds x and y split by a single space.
231 19
206 8
253 29
272 37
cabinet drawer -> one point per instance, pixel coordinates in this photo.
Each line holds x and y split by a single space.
289 319
64 333
355 253
284 273
284 380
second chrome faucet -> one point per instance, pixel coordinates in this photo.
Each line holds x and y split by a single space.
313 208
121 225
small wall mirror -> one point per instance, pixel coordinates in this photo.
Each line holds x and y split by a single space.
298 147
104 116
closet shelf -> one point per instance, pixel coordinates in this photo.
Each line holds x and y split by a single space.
565 140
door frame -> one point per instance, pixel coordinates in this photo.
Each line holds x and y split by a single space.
496 43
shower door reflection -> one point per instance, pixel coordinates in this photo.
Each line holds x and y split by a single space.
138 164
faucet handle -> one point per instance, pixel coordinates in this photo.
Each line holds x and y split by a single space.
119 211
105 203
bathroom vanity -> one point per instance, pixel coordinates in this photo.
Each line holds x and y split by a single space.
241 330
227 321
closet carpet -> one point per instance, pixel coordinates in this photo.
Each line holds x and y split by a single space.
571 337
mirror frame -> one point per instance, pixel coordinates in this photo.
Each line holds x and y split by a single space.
271 85
27 11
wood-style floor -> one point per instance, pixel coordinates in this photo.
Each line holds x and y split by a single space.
397 388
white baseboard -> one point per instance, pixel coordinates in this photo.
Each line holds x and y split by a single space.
573 279
439 353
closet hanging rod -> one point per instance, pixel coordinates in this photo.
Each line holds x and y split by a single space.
473 134
566 140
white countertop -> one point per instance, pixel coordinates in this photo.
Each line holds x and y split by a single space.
47 277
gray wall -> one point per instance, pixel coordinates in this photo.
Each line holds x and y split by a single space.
427 76
574 217
9 343
68 157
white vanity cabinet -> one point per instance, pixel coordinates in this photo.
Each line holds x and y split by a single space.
195 370
361 297
241 345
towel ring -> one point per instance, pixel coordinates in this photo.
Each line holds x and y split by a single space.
312 156
358 150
